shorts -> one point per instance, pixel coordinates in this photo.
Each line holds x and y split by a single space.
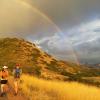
16 82
4 81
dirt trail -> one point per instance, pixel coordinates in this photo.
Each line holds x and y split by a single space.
10 94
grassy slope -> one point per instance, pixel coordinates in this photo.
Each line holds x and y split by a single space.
32 59
38 89
37 62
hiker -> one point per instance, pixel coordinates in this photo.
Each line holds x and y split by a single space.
17 71
4 80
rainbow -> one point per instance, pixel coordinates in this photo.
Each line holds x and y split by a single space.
46 17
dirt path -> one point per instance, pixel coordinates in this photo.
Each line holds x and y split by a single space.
10 94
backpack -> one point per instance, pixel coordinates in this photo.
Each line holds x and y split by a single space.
17 73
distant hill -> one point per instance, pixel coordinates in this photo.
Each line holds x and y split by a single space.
37 62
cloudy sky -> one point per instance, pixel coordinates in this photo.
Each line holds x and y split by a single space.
67 29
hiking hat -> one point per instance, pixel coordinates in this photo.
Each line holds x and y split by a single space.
17 64
5 67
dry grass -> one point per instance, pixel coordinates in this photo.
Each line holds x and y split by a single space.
38 89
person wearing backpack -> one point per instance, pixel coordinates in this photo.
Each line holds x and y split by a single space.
4 80
17 71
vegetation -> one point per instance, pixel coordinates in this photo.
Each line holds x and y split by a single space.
39 89
38 63
53 66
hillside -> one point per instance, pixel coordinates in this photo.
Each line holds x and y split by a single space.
37 62
32 59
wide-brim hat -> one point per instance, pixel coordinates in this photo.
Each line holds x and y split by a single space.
5 67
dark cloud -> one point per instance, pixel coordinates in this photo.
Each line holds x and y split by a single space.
68 13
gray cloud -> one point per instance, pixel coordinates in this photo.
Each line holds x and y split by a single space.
69 13
86 42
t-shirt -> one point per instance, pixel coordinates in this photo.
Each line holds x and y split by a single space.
4 74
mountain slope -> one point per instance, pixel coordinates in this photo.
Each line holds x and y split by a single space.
37 62
32 59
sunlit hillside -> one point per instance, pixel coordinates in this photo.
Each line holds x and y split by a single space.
37 62
33 60
39 89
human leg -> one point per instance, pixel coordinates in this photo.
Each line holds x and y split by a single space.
16 86
2 89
